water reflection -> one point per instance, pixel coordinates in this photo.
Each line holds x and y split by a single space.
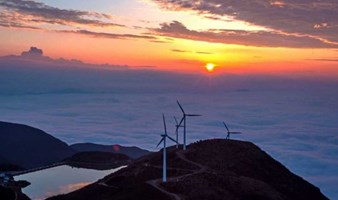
60 180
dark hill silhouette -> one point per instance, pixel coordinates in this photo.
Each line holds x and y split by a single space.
97 160
30 147
6 193
132 152
213 169
5 166
9 194
97 157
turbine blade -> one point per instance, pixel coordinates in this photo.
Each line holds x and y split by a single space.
193 115
176 120
226 126
178 126
165 126
235 132
160 142
171 139
180 107
181 121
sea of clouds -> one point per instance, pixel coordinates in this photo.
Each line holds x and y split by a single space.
292 118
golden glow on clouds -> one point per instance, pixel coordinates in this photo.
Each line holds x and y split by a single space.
165 53
196 21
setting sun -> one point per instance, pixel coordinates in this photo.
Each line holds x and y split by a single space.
210 67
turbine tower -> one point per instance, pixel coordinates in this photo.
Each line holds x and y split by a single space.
177 127
184 120
229 132
164 136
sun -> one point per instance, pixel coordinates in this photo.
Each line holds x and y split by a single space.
210 67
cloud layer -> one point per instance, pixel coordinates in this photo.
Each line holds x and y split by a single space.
34 58
250 38
302 18
31 12
110 35
34 15
300 24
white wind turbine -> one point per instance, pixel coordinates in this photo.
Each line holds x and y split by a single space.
176 132
164 136
184 120
229 132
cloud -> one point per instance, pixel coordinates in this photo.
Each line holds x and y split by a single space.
23 13
9 22
159 41
34 58
16 25
307 18
185 51
204 52
250 38
32 15
109 35
180 51
325 59
32 52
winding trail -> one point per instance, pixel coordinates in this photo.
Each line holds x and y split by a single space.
105 185
16 195
156 183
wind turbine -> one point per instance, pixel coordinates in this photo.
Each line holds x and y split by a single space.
164 136
229 132
177 127
184 120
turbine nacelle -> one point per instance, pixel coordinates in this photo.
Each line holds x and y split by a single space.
230 132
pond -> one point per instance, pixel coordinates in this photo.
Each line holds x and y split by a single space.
60 180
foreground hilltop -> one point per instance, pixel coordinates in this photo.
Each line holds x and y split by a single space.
212 169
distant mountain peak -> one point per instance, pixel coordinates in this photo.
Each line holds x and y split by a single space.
132 152
30 147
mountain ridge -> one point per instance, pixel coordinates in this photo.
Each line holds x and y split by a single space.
26 147
30 147
132 151
212 169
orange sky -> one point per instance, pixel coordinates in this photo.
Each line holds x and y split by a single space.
158 41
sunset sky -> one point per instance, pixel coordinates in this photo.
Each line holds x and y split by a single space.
259 36
273 73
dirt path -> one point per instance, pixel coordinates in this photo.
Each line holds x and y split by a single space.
156 183
16 195
105 185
